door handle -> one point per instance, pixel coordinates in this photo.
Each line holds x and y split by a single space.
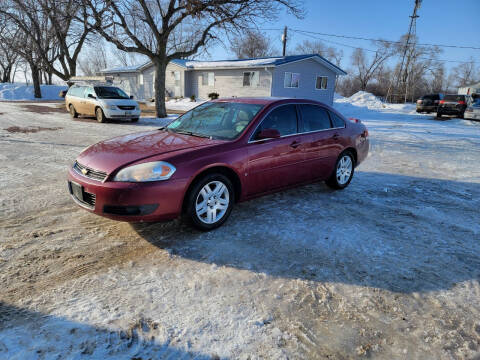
335 136
295 144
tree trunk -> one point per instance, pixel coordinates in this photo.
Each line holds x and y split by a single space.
36 81
160 68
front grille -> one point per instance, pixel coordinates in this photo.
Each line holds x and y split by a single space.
89 198
126 107
88 172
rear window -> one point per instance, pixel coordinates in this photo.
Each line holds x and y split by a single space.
336 120
430 97
454 98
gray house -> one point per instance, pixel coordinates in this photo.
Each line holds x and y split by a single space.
297 76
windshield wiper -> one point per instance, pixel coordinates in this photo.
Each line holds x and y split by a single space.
184 132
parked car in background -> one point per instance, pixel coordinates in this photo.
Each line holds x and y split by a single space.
473 111
429 103
453 105
218 153
102 101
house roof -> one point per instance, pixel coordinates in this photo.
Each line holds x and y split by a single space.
272 61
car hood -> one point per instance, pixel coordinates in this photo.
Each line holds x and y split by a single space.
112 154
125 102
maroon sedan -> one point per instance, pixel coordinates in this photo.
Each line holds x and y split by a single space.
219 153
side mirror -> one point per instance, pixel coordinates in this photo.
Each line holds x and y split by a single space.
91 96
268 134
131 96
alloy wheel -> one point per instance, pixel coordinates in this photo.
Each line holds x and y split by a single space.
212 202
344 169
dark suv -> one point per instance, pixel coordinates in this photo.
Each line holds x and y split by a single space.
453 105
428 103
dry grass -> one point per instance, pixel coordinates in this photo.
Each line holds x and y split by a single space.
30 129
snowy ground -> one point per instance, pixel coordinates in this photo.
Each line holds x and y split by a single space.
387 268
19 91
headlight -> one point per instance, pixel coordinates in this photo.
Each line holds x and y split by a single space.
151 171
112 107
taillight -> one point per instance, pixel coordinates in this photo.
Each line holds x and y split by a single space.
355 120
461 103
442 101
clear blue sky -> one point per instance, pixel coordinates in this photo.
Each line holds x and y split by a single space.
453 22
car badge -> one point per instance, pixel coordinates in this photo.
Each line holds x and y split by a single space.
84 171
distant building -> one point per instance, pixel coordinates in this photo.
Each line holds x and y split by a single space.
470 89
297 76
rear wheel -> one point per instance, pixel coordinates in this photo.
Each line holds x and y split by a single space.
343 172
100 115
134 120
210 202
439 114
73 112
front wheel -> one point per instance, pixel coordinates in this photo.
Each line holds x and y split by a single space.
100 115
210 202
343 172
134 120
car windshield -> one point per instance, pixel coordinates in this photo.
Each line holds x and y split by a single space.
454 98
108 92
217 120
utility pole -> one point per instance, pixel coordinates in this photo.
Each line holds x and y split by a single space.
403 70
284 40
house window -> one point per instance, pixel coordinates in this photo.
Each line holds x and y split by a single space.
251 78
322 83
176 75
208 79
292 80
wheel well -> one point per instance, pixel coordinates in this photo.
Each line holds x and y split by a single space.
229 173
354 153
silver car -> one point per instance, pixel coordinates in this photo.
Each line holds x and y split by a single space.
473 110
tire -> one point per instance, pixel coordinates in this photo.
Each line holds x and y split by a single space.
72 111
134 120
100 115
343 172
439 114
216 208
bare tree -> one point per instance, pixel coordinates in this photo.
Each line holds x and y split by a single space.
60 18
466 73
317 47
365 68
8 56
252 44
164 30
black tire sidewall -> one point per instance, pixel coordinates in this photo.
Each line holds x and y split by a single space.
192 198
332 181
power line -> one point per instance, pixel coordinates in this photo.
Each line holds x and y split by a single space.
371 39
370 50
388 41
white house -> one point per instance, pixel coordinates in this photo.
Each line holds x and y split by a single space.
298 76
470 89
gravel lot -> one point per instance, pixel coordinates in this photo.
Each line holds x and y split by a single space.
387 268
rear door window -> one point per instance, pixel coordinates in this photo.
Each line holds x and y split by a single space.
337 121
314 118
283 119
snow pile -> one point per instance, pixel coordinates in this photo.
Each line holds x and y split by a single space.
18 91
182 104
231 63
363 99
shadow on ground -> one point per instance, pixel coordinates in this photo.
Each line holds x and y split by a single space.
60 338
399 233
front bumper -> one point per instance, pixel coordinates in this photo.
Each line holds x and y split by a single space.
121 114
133 202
